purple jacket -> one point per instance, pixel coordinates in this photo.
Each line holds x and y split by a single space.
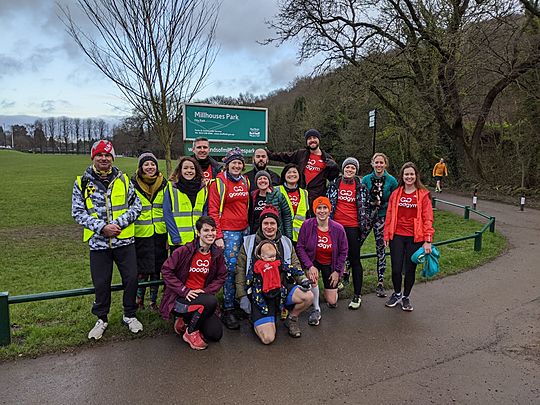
307 244
175 272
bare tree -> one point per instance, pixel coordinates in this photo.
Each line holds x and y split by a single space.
157 52
442 50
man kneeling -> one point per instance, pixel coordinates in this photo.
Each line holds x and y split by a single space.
193 275
266 298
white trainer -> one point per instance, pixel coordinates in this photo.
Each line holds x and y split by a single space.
98 329
133 324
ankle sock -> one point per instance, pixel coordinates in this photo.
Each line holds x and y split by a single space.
315 291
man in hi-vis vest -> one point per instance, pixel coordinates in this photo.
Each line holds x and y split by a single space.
104 202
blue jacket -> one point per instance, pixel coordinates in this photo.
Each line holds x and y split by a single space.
389 185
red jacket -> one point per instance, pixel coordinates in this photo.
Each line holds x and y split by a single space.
423 223
175 272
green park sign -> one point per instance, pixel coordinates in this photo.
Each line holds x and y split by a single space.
220 123
221 149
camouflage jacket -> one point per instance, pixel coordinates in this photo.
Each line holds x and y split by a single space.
83 217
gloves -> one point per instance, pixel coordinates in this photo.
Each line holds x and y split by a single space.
305 285
245 305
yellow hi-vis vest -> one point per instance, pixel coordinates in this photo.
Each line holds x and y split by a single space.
115 206
185 215
301 210
150 221
220 186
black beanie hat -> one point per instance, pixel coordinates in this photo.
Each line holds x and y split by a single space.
312 132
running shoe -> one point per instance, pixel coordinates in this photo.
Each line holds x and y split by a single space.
292 324
356 302
380 291
195 340
395 299
406 304
314 318
133 324
179 326
97 331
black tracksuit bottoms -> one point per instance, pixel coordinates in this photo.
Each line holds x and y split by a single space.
101 268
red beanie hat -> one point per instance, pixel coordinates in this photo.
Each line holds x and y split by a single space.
321 200
102 146
269 211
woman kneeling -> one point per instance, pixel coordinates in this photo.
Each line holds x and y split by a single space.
193 275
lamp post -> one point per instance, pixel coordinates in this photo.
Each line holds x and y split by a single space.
373 124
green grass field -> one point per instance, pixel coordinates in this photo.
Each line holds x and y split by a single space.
42 250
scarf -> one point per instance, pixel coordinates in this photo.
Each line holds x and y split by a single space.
290 190
204 163
190 188
104 177
232 178
149 184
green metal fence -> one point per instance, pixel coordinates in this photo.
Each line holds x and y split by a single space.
6 300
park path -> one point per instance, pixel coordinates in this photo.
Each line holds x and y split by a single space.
472 338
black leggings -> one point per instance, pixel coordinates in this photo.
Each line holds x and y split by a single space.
401 250
353 238
199 314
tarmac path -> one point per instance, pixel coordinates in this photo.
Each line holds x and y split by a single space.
473 338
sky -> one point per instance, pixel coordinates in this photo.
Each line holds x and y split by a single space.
44 73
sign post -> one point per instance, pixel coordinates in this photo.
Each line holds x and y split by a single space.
373 124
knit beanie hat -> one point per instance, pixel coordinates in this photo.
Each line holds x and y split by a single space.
321 200
262 173
102 146
269 211
233 154
351 161
145 156
312 132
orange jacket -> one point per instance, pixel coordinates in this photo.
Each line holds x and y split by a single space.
423 223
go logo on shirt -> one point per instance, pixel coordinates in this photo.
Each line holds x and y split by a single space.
238 191
346 195
311 165
323 243
406 202
202 266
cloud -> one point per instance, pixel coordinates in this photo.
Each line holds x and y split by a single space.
5 104
9 65
50 106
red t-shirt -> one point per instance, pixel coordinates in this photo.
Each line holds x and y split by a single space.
207 174
269 272
294 196
198 270
314 166
323 254
407 210
235 206
346 212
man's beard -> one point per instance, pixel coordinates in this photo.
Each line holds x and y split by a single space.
260 165
313 147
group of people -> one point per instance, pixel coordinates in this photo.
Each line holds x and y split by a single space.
264 239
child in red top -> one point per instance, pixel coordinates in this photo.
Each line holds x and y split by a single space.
267 266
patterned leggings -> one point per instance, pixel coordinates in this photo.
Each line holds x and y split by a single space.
233 242
377 225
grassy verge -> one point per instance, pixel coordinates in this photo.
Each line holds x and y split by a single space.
41 250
